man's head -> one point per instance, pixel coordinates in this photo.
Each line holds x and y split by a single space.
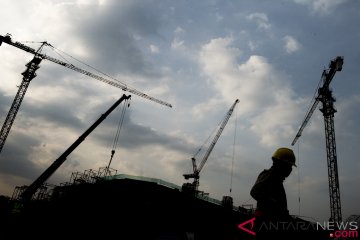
285 155
283 160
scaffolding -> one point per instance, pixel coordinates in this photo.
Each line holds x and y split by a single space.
45 191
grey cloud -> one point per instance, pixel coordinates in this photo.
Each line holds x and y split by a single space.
14 158
111 35
133 136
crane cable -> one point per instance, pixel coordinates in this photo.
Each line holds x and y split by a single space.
56 50
313 100
115 143
233 153
298 170
116 139
206 141
298 145
120 123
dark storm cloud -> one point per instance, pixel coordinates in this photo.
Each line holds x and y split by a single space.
137 135
133 135
62 113
111 35
54 113
14 158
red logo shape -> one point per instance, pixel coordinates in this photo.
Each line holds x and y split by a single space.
251 221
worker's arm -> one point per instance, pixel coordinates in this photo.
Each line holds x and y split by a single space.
268 194
262 186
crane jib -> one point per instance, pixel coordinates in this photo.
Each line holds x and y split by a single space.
31 190
196 170
118 84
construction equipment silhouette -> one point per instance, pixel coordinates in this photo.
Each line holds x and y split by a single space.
324 95
30 191
29 74
193 187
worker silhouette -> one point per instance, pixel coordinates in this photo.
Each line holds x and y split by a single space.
272 217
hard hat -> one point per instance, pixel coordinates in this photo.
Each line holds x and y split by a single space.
285 154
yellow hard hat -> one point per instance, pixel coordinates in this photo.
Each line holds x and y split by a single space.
285 154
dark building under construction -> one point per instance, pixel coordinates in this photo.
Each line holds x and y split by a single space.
129 207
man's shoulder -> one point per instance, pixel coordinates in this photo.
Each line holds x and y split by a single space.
265 174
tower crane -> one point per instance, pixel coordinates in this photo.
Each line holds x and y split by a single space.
324 95
193 187
29 74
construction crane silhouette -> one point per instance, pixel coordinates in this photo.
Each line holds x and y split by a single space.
324 95
29 74
31 190
193 187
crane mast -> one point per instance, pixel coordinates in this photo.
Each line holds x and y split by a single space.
193 187
29 74
328 110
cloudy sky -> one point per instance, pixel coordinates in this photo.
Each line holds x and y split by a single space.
198 56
